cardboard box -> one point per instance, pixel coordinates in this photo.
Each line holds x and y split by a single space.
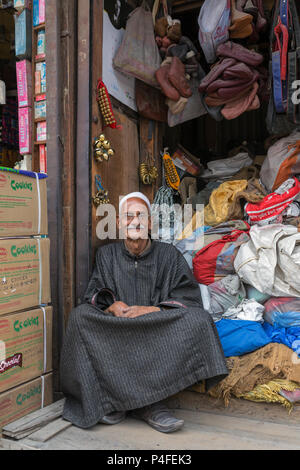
25 130
23 204
24 273
41 82
41 131
41 44
25 399
43 158
21 4
186 161
24 83
26 346
40 109
38 12
23 35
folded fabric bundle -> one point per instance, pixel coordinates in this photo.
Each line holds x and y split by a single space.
236 81
239 337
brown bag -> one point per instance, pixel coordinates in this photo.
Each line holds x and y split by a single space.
150 102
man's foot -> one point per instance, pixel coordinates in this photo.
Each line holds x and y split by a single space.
113 418
159 417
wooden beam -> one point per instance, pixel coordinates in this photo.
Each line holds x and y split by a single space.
68 38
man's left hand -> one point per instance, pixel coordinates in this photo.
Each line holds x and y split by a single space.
137 311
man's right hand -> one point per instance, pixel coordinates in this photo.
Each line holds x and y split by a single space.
117 309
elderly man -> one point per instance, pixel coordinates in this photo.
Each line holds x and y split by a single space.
141 335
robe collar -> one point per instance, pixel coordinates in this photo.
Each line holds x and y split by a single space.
144 253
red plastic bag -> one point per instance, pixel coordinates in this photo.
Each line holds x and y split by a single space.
215 260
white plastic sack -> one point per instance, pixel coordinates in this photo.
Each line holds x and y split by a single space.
214 20
270 260
227 166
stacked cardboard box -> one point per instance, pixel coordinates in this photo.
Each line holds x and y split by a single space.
25 316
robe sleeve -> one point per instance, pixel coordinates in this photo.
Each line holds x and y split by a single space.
184 290
97 292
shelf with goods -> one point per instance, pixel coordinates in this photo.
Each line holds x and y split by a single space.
25 297
39 123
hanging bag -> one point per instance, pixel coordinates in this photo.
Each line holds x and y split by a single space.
138 54
283 114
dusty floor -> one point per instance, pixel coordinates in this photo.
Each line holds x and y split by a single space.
208 425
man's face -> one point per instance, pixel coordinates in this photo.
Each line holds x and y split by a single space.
134 220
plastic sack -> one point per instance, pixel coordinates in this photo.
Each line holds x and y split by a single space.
216 260
224 294
240 337
214 21
138 54
272 208
270 260
191 245
227 166
284 311
254 294
282 161
288 336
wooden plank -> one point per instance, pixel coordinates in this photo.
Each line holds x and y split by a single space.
68 40
206 431
30 423
7 444
50 430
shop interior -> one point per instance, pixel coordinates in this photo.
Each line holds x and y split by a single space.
9 150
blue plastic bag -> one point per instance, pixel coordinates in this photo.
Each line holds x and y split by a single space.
288 336
240 337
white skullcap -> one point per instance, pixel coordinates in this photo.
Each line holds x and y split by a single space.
136 195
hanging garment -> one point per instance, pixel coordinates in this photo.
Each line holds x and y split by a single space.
111 363
214 20
283 112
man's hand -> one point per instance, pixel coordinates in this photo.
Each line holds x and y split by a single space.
137 311
117 309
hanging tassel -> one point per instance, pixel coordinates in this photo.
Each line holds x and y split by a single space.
105 106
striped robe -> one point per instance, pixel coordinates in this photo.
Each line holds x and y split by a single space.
110 363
